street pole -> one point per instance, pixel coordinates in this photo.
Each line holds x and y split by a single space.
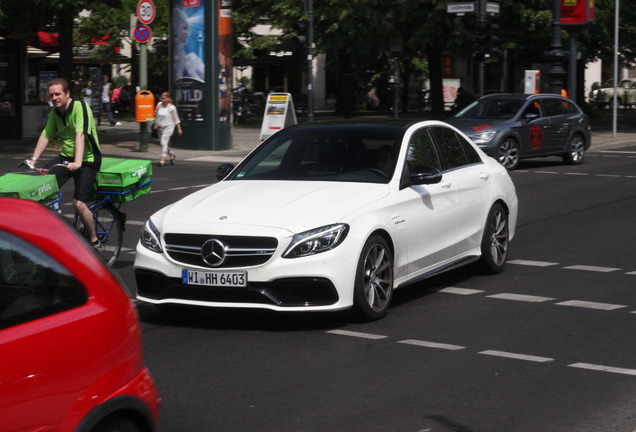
310 61
556 54
481 17
614 112
143 84
572 66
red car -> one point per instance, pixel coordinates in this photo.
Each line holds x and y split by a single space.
70 342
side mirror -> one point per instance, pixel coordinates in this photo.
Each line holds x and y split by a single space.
223 171
422 176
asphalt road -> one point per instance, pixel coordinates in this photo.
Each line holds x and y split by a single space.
545 346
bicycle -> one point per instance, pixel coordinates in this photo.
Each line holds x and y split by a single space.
110 222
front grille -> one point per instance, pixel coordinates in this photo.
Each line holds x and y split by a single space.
239 251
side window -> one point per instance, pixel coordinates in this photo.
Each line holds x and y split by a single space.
569 107
471 154
449 147
32 284
532 108
421 152
553 107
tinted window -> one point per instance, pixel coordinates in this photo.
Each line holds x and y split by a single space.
348 154
32 284
532 108
553 107
422 151
471 154
449 146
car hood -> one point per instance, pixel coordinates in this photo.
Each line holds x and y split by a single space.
292 205
470 126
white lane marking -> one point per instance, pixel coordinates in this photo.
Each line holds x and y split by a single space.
429 344
633 273
602 368
134 222
179 188
532 263
547 172
617 151
521 297
592 268
517 356
460 291
357 334
608 175
591 305
577 174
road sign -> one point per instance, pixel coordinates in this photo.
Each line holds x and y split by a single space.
142 33
146 11
492 8
460 8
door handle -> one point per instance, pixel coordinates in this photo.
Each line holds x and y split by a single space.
484 176
445 185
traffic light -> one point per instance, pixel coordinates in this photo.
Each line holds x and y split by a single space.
486 39
301 27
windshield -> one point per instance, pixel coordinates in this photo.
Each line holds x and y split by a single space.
491 109
361 153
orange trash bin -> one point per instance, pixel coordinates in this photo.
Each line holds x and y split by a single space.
144 106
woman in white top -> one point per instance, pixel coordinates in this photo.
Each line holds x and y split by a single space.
166 119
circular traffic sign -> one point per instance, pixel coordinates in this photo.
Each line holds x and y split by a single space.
142 33
146 11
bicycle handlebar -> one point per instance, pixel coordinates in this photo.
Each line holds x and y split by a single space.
41 171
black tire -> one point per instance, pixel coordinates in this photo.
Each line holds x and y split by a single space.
374 280
117 423
611 102
109 228
495 241
508 154
575 151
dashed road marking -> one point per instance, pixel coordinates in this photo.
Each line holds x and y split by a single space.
461 291
602 368
532 263
591 305
357 334
521 297
428 344
592 268
517 356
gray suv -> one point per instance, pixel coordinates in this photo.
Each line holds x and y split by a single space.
510 127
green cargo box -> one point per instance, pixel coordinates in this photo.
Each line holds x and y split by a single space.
26 186
123 173
123 179
120 195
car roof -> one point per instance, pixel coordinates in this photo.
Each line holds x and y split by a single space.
359 123
521 96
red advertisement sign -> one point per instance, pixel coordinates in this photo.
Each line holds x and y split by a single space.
577 12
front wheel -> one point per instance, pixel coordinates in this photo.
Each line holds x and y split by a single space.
374 279
508 154
495 241
575 151
109 228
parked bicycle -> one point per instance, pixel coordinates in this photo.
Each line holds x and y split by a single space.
110 221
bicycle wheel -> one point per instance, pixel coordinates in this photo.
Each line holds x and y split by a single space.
109 229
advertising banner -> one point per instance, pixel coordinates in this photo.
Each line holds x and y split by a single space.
225 60
188 58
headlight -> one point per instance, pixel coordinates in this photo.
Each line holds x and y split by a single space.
316 241
150 236
484 136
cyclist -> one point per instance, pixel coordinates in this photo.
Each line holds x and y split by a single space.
73 121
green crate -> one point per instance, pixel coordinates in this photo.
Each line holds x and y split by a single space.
121 196
26 186
122 174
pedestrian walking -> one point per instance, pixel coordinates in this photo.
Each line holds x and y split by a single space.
166 118
106 92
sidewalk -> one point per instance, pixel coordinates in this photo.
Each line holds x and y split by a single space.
123 141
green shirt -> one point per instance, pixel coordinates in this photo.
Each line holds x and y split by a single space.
68 126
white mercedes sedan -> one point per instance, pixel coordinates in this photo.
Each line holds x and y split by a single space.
331 216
